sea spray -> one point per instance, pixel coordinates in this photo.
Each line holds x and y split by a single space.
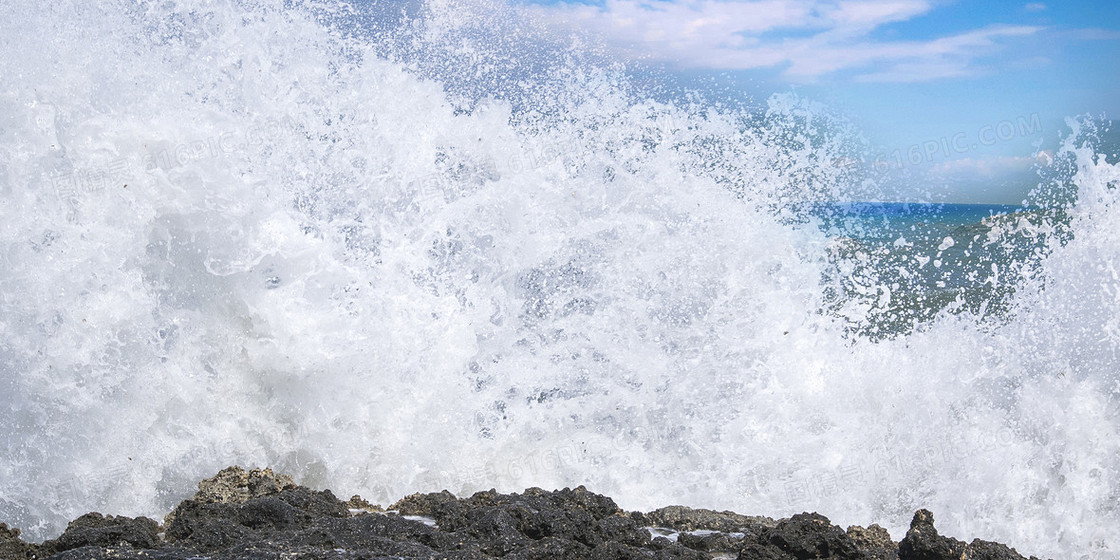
241 233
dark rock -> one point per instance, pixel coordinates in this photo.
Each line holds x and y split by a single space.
810 535
422 504
317 503
923 543
985 550
258 515
553 548
206 527
496 529
671 550
11 546
212 526
94 529
711 542
505 522
659 543
321 538
688 519
234 485
759 551
123 552
666 550
617 528
599 506
365 531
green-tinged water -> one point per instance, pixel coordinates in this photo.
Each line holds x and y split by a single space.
895 266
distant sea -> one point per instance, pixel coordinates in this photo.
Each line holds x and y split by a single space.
897 265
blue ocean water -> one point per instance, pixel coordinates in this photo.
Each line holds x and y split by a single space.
872 221
898 265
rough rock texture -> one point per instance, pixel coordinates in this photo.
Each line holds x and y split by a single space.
11 546
422 504
810 535
687 519
875 541
250 515
97 531
358 502
923 543
234 485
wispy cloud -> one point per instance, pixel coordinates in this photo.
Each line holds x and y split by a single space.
1035 7
985 169
807 39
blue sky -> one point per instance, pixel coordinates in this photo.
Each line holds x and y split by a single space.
958 97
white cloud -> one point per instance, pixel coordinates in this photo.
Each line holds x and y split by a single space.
806 38
986 169
946 57
986 180
1035 7
871 13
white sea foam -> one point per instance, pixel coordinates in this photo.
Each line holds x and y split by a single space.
230 235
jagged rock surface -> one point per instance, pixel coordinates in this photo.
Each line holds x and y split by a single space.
687 519
11 546
923 543
874 541
251 515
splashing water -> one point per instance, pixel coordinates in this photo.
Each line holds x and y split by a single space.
393 249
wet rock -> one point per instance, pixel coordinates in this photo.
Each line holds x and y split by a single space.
422 504
94 529
235 485
599 506
553 547
688 519
667 551
759 551
505 522
712 542
365 531
985 550
618 528
257 515
811 535
216 525
923 543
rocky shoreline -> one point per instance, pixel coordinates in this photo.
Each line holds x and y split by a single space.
257 514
